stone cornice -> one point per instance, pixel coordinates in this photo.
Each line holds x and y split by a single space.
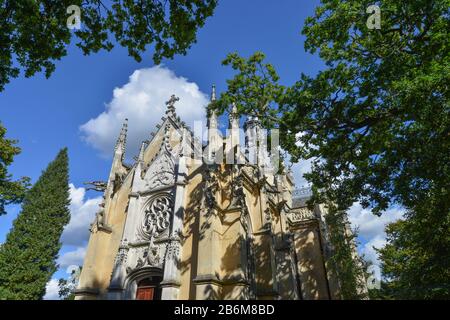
86 291
170 283
104 228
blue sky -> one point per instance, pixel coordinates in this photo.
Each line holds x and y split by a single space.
46 114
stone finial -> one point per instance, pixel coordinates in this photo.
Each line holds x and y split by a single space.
251 122
122 139
234 109
213 93
234 117
171 105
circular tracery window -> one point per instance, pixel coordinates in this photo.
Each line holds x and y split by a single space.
157 216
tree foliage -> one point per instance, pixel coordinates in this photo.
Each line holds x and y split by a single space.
11 191
27 258
416 259
254 89
378 116
344 261
34 33
375 121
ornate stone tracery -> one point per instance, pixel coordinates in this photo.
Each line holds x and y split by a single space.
156 220
300 214
173 248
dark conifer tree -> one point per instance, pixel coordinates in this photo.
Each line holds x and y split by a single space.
28 257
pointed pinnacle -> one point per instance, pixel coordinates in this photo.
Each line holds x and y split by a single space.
213 93
122 139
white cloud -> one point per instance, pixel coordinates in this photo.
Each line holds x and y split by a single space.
142 101
371 228
82 213
298 170
368 249
72 259
76 233
370 225
51 290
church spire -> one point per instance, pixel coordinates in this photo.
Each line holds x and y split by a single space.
212 125
122 139
212 115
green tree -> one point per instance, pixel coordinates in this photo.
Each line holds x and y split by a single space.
34 33
375 121
254 89
417 264
27 258
11 192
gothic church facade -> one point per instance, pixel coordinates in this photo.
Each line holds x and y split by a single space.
173 227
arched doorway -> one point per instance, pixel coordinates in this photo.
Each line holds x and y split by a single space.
149 288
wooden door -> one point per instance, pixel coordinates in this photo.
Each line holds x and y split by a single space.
145 293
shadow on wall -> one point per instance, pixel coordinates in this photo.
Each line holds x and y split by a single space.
192 220
271 267
311 264
94 283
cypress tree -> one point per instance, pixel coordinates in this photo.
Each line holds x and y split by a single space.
28 257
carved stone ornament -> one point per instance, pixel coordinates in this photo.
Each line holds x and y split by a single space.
100 218
161 172
118 180
96 186
267 216
237 191
210 187
300 214
156 218
122 254
154 256
173 249
121 257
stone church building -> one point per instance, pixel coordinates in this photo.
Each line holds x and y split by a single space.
172 226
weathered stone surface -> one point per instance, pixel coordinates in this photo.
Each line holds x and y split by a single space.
204 231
